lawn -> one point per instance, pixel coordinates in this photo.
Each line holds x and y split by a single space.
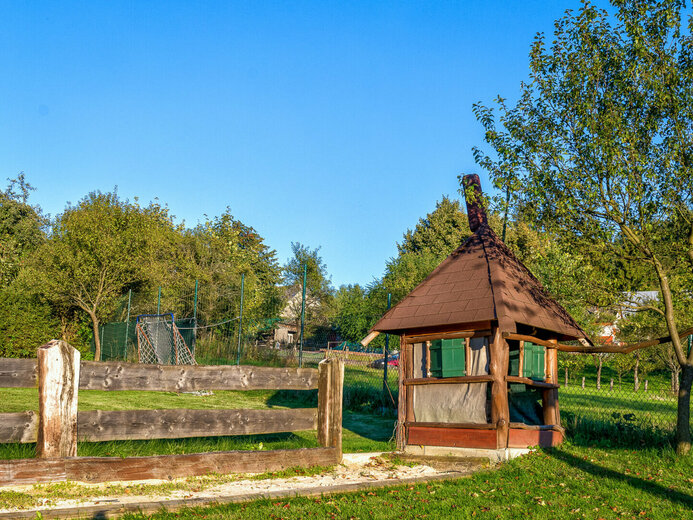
571 482
362 432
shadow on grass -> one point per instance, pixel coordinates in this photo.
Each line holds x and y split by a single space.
374 427
637 483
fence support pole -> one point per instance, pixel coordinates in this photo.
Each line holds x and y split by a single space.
240 322
158 302
330 394
58 382
303 315
127 325
194 338
387 354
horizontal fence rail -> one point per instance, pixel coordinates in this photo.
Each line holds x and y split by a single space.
94 375
104 469
103 425
58 426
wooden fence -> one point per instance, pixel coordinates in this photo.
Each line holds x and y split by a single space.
58 425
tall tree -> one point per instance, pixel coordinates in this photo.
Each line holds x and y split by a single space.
599 150
21 228
97 250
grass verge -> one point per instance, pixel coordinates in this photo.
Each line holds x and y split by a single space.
567 482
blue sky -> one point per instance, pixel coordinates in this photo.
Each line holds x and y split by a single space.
335 124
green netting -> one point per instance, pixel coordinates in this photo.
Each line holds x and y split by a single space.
119 340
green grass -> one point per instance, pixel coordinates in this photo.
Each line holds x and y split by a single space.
571 482
362 432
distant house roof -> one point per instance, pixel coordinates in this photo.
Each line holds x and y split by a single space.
481 280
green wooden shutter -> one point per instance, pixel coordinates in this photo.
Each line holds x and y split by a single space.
447 357
533 366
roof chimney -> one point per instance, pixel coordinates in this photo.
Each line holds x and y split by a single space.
476 213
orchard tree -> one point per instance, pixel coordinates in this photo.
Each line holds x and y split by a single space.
96 251
598 149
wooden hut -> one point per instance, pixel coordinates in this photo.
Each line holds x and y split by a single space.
477 367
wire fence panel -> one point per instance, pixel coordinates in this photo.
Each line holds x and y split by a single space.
606 400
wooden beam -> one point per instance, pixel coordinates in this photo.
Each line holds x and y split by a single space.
467 426
608 348
401 399
467 355
551 412
447 380
428 359
18 427
189 378
521 364
58 382
498 368
103 469
18 373
409 367
100 425
539 427
336 399
518 438
531 382
421 338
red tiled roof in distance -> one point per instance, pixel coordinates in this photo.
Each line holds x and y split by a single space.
481 280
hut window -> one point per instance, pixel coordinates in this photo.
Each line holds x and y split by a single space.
447 357
534 361
525 404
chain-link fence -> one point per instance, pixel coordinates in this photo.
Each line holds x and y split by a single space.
601 400
596 391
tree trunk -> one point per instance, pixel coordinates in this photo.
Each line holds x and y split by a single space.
566 377
675 372
683 415
97 338
636 380
599 374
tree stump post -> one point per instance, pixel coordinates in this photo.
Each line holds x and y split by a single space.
583 382
58 382
330 394
611 385
646 382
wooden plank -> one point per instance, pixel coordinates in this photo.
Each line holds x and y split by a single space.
452 437
18 373
428 359
189 378
16 472
58 383
531 339
447 380
521 364
399 432
100 425
518 438
538 427
467 355
103 469
422 338
531 382
467 426
18 427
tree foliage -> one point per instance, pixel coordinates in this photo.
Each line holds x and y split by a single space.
598 150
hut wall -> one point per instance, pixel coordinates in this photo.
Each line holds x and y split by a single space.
455 402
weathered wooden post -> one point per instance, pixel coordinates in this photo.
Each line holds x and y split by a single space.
550 395
646 381
498 368
330 394
58 382
611 385
583 382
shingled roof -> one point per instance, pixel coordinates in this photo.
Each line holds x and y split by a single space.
481 280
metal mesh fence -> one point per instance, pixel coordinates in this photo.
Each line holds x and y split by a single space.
589 398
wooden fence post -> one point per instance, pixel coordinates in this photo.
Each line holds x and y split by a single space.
58 382
330 395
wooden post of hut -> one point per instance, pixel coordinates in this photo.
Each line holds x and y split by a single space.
478 365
